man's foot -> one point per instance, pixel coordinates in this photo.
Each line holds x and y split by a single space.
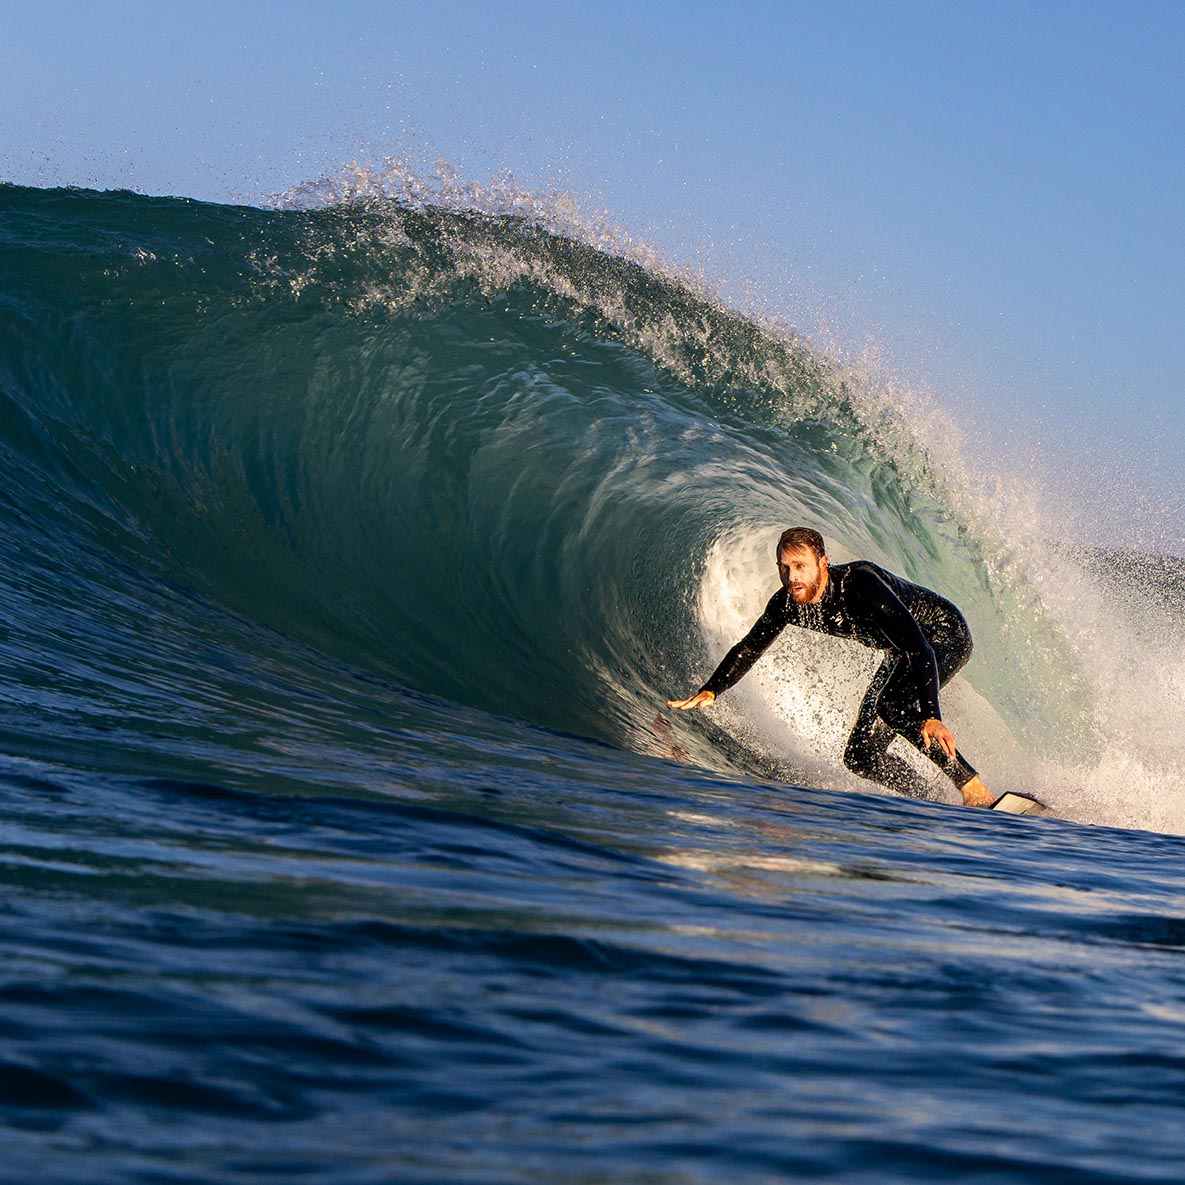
975 793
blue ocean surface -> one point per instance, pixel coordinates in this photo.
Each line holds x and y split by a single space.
350 550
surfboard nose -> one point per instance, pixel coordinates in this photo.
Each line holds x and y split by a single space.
1018 804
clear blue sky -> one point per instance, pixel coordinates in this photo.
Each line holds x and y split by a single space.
992 193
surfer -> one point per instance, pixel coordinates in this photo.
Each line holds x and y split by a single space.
927 643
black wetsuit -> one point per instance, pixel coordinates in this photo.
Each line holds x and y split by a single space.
927 640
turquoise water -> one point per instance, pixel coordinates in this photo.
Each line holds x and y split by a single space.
349 554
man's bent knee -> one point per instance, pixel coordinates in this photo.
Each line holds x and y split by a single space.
863 758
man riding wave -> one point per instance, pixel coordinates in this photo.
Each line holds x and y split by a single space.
926 640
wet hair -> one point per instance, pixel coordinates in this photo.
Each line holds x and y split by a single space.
797 537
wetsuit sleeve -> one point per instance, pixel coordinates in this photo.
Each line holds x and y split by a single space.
889 617
740 659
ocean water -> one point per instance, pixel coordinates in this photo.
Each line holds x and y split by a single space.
350 549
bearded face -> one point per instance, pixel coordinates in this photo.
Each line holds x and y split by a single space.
803 574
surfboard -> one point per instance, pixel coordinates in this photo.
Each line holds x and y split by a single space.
1018 804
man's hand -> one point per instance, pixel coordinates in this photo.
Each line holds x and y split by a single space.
935 730
696 701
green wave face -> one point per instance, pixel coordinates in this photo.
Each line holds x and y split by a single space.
489 462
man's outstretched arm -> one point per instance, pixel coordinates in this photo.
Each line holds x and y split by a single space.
740 659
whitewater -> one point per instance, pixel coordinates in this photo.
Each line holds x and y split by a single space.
351 549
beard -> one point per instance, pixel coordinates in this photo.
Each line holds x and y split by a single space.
803 594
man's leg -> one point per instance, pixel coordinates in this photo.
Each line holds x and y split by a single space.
952 644
890 710
957 768
867 753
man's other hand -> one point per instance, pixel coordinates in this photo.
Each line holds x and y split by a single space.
935 730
